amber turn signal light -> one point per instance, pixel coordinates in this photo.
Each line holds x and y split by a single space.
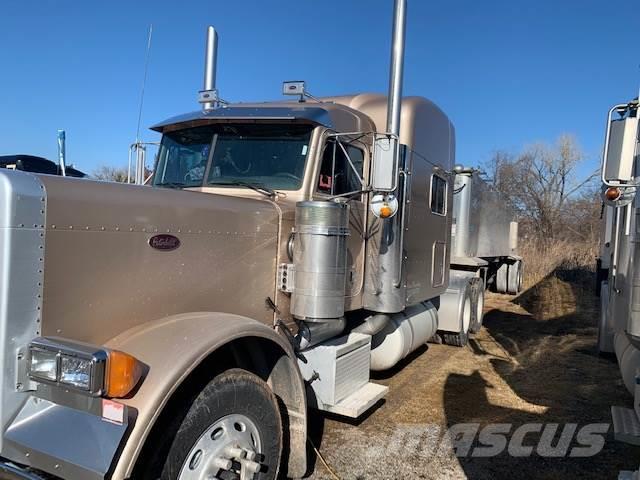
386 211
612 194
123 374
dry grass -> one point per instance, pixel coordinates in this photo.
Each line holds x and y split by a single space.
563 256
534 362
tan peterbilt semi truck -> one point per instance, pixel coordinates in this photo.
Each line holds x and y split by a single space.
618 270
182 331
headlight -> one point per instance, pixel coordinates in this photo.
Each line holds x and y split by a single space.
76 372
44 364
97 371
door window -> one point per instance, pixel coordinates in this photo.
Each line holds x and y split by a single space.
342 168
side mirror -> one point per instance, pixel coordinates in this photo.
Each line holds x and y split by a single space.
384 171
620 147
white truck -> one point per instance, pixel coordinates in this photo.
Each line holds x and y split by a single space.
618 269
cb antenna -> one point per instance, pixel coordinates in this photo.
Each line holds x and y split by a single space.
144 81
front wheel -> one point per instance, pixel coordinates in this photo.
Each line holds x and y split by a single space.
233 429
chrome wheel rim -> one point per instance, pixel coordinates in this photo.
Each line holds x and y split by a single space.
466 314
231 444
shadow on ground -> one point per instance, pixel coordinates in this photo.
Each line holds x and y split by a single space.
542 344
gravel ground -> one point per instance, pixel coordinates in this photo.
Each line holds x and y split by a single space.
533 362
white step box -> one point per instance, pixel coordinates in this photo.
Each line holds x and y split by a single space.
337 372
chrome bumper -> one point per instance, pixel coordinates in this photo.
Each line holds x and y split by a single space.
62 441
9 471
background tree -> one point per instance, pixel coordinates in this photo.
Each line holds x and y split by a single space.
110 174
543 184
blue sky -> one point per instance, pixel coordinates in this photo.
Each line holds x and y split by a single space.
508 73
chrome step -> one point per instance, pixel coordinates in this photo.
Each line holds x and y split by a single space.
626 426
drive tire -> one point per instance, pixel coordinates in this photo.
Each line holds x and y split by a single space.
460 339
235 393
455 339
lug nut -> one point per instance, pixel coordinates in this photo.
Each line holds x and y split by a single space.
253 467
222 463
234 452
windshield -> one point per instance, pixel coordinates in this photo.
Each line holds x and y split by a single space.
270 156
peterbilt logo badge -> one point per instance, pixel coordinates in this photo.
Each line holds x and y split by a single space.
164 242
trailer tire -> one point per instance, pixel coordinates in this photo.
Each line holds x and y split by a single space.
460 339
502 278
514 281
477 304
235 409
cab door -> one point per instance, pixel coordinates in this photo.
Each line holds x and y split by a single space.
342 169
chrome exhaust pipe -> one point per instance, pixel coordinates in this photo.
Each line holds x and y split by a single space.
394 98
313 333
208 96
62 152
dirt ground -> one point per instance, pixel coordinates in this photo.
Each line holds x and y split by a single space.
533 362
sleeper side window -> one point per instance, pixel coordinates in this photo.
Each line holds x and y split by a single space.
438 195
338 175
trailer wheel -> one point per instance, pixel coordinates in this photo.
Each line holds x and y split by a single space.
232 429
502 278
477 304
515 278
460 339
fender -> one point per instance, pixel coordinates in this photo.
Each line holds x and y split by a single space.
452 301
174 346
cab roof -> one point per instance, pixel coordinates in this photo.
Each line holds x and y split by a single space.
328 114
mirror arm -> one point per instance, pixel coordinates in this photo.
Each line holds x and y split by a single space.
344 150
349 195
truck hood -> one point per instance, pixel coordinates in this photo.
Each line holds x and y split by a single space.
117 256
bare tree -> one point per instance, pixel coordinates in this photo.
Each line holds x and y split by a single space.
110 174
541 182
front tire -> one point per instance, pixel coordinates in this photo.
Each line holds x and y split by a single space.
234 423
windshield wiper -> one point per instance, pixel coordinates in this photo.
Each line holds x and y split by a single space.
253 186
172 185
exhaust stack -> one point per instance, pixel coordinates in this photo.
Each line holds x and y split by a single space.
208 96
394 99
62 164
